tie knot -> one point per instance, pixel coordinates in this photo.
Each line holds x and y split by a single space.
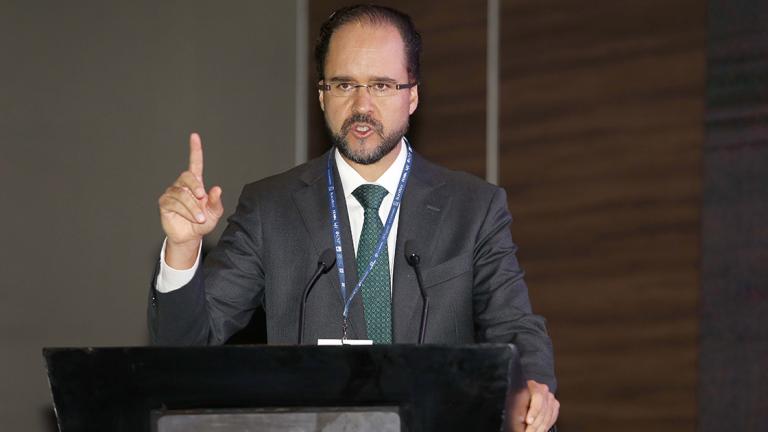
370 196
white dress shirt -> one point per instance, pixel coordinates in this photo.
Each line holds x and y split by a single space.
170 279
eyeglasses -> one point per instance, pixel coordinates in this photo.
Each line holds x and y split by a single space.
375 88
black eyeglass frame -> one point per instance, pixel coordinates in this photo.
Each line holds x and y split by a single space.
327 87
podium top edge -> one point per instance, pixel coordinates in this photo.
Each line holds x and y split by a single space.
49 351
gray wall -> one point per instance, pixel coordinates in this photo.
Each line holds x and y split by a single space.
96 103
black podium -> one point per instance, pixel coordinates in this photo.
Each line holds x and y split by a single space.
284 388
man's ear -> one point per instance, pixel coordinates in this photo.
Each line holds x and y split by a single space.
413 99
320 95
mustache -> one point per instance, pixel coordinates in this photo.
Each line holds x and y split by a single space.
362 118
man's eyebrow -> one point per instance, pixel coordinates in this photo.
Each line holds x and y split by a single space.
384 79
373 79
341 79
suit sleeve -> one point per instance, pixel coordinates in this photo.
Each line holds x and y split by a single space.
226 289
500 299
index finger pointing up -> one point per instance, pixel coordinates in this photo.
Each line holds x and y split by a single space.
196 156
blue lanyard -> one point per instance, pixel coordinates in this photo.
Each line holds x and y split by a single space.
336 229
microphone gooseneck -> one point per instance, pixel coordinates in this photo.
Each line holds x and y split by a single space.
414 260
326 260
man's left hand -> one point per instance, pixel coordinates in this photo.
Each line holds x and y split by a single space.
543 408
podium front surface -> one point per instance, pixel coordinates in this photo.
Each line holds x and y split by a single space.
283 388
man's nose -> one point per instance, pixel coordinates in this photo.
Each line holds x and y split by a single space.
363 101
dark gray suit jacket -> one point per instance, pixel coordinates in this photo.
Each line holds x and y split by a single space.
270 248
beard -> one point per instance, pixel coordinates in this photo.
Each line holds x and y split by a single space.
351 152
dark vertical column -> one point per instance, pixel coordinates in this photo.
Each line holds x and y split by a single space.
449 125
733 372
602 108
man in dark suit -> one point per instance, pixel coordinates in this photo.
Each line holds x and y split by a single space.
364 199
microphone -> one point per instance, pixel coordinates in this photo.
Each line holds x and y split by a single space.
413 259
324 263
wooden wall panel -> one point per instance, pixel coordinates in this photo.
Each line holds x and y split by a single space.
448 127
601 128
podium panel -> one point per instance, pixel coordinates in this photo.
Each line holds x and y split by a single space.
282 420
296 388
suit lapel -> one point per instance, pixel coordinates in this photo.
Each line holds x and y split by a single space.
312 204
421 214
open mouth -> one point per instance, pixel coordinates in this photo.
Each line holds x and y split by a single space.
361 130
361 126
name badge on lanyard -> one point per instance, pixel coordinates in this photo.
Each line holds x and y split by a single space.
336 232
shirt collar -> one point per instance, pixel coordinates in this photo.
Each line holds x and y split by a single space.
351 179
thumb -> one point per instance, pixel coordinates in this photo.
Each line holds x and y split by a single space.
215 205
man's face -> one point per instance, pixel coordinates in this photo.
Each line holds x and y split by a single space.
365 128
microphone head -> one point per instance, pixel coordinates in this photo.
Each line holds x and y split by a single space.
327 259
411 256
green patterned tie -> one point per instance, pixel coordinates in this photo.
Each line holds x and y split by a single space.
377 299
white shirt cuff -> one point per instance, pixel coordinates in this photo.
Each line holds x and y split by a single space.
170 279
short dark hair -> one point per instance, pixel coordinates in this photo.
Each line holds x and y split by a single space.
372 14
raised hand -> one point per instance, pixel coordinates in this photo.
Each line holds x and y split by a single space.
187 211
